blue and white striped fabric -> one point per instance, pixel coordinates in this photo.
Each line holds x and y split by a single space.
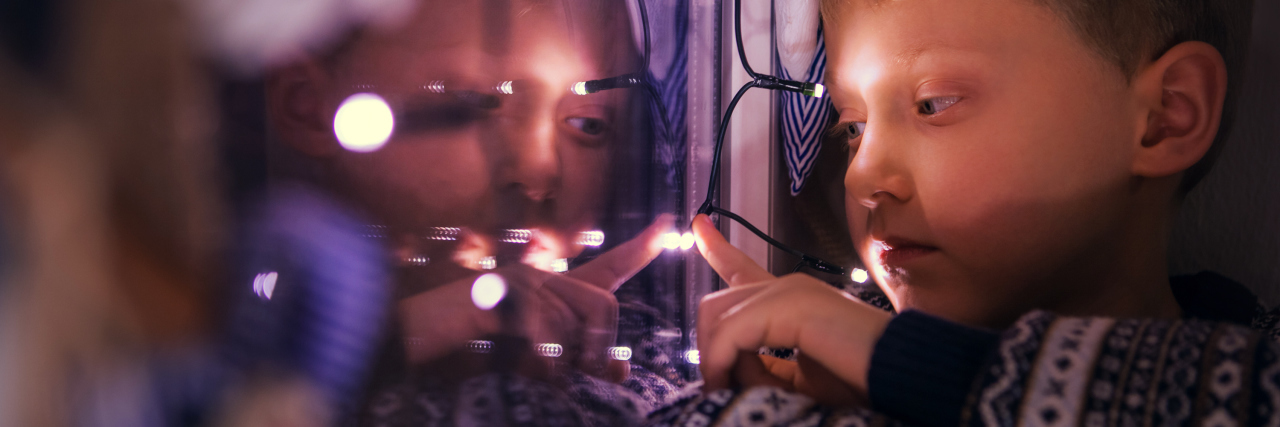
804 120
329 295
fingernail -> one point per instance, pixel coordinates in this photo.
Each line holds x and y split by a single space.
706 220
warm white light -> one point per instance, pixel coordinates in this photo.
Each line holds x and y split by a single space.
671 240
436 86
620 353
860 275
818 89
444 233
506 87
686 240
518 235
693 357
560 265
480 346
488 263
591 238
488 290
363 123
579 88
264 284
550 350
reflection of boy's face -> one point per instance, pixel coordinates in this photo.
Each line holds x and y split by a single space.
995 158
535 160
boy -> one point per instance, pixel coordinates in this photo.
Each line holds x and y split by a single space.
1006 156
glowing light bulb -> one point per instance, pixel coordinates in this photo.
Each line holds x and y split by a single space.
591 238
363 123
518 235
560 265
860 275
693 357
488 290
671 240
444 233
550 350
579 88
686 241
620 353
818 89
264 284
480 346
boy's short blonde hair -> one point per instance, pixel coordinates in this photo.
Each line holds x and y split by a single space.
1128 32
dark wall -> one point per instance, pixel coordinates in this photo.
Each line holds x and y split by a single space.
1231 222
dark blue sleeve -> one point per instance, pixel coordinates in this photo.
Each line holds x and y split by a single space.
923 368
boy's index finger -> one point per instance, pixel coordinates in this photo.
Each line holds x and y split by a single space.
609 270
735 267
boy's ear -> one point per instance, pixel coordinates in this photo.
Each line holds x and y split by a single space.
297 106
1183 93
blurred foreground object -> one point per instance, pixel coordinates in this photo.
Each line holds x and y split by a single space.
115 234
107 176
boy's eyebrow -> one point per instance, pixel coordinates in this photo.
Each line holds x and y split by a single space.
907 58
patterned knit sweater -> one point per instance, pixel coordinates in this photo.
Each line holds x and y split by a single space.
1219 365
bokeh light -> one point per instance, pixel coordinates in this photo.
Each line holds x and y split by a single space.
363 123
620 353
560 265
686 240
671 240
264 284
591 238
550 350
488 290
860 275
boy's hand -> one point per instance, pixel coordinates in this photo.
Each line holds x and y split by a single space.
576 309
834 332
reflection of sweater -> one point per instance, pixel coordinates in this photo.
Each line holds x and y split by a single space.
1050 370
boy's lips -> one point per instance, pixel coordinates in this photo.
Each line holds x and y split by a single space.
895 252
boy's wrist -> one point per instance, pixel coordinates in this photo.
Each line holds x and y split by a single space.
849 357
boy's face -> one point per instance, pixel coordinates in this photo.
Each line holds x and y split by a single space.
993 175
533 159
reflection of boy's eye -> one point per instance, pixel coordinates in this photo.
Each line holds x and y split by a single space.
933 106
437 117
587 125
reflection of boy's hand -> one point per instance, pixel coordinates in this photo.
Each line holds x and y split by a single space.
576 310
833 331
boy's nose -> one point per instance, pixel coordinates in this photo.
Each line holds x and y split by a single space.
531 161
878 173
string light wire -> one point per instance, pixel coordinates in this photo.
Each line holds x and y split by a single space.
763 81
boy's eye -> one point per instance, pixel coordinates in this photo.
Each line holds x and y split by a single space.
587 125
855 129
933 106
